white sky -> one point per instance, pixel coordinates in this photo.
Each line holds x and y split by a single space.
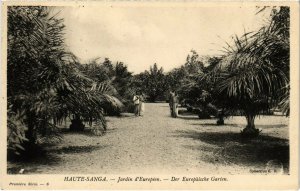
142 36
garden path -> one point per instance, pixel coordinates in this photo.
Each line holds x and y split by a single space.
156 143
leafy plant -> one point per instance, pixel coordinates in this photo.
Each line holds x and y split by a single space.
253 74
45 83
152 83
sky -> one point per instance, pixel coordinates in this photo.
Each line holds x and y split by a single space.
142 36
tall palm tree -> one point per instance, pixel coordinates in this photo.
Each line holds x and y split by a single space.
254 73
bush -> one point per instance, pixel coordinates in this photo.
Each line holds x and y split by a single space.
128 107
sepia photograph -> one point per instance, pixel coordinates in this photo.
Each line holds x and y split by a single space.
193 93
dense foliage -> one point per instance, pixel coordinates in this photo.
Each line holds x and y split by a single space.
254 74
151 83
45 84
252 77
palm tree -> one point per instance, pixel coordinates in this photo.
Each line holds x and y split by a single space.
45 84
152 82
254 73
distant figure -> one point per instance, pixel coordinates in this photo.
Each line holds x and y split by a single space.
136 102
173 103
141 105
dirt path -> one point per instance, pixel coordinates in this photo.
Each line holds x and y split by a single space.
157 143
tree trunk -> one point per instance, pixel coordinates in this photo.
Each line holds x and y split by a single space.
220 117
30 134
220 120
250 131
31 148
250 121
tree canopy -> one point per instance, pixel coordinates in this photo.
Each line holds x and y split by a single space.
45 83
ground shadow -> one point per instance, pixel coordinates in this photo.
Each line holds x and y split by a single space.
27 166
230 148
191 116
87 131
240 125
48 156
215 124
271 126
75 149
124 115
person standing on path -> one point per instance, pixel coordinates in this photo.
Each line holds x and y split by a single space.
136 102
171 95
174 105
141 105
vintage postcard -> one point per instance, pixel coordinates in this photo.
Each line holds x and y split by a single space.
149 95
